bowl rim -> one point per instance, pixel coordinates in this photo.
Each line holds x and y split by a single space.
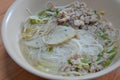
39 73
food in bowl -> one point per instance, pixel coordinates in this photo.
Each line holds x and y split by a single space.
71 40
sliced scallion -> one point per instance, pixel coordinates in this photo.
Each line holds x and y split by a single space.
69 61
106 63
112 51
84 60
34 21
50 50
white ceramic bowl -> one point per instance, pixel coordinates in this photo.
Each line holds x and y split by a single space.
17 14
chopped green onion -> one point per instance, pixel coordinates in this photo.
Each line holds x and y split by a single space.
106 63
112 56
78 67
99 34
69 61
98 59
57 12
42 13
95 11
103 30
50 50
45 13
103 51
112 51
48 10
90 64
84 60
34 21
104 37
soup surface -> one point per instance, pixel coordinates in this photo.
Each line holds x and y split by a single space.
70 40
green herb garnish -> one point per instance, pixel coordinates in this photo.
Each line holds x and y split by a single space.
90 64
34 21
112 56
95 11
57 12
69 61
98 59
104 37
48 10
106 63
103 30
103 51
101 35
77 69
50 50
112 51
42 13
84 60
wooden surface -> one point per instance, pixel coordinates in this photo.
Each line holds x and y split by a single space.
9 70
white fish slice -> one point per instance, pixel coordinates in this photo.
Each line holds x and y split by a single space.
59 35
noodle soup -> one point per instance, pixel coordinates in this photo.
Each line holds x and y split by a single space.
70 40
